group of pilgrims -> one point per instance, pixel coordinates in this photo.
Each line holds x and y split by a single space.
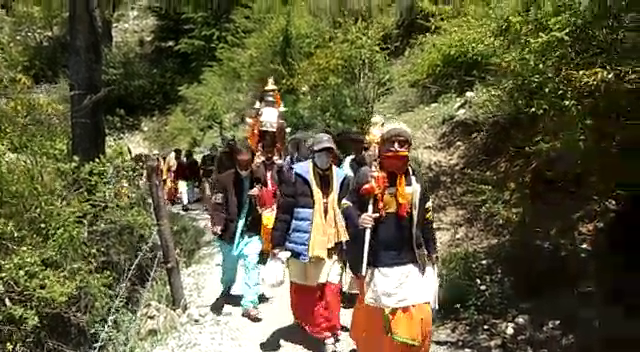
359 228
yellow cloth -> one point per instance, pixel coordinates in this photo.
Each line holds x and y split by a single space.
169 166
326 231
268 219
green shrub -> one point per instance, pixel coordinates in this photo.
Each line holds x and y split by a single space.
68 233
452 60
473 285
330 72
550 97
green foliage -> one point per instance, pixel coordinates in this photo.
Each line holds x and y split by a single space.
341 81
38 41
67 232
542 124
472 284
452 60
330 72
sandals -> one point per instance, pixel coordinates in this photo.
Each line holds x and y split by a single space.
330 345
252 314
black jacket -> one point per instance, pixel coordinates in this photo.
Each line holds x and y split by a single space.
392 240
226 205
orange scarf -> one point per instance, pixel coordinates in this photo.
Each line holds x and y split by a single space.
402 197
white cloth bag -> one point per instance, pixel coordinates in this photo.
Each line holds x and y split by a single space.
274 271
433 285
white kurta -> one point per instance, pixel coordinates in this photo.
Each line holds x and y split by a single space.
400 286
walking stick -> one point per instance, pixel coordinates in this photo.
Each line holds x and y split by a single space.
371 188
367 241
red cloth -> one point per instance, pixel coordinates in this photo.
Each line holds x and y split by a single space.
317 308
267 195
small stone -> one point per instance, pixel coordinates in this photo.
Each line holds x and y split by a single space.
510 330
522 319
469 95
553 324
495 343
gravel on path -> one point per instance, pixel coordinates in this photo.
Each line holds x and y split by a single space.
200 330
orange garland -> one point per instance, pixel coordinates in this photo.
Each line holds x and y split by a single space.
254 133
278 100
381 182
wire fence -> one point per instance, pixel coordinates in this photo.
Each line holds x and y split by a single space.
125 282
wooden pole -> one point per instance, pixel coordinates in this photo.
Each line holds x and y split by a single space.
164 233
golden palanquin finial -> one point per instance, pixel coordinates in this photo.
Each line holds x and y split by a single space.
271 85
267 118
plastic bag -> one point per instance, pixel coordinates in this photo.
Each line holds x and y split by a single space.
274 271
433 285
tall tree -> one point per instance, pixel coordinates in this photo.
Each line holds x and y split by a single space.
85 73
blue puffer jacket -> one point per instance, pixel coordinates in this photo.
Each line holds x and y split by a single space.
292 228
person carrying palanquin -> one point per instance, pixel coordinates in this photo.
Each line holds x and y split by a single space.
393 313
309 224
266 135
297 149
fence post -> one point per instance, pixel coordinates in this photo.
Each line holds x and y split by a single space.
164 233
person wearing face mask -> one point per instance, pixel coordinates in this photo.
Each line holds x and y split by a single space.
393 312
309 224
270 170
236 222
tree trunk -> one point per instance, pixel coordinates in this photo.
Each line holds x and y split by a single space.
106 30
85 74
7 6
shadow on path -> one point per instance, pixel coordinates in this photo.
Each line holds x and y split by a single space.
234 300
293 334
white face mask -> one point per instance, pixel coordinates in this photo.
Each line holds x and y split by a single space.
322 160
243 173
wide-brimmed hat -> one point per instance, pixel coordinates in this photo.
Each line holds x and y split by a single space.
323 141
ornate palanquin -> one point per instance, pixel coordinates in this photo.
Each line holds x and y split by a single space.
266 127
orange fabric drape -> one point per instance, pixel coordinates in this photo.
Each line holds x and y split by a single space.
373 329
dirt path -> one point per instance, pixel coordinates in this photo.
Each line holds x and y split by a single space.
202 331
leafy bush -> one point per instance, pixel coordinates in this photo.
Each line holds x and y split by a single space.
550 97
67 232
462 53
472 284
330 72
